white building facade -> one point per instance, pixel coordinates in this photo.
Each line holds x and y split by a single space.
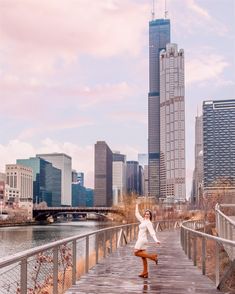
172 123
19 187
64 163
119 177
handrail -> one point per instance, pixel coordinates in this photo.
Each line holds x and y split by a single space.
189 241
205 235
57 265
30 252
217 210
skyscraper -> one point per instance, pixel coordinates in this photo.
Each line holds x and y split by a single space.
103 175
198 162
64 163
159 36
219 145
19 186
132 174
172 123
46 181
119 177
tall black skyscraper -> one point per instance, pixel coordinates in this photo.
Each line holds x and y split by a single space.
159 36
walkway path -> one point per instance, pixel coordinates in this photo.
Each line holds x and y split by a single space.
174 274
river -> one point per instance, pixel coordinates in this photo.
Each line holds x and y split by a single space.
17 239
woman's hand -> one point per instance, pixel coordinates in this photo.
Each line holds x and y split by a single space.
155 243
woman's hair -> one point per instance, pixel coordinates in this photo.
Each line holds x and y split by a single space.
150 213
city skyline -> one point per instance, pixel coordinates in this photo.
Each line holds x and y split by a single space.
65 85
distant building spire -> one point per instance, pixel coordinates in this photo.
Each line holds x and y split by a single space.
166 12
153 10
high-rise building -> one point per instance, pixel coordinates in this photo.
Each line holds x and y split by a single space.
19 186
74 176
119 177
219 146
198 162
143 161
2 187
172 123
132 175
80 178
46 181
64 163
103 193
159 36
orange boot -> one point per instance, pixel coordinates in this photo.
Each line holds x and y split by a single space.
144 274
143 253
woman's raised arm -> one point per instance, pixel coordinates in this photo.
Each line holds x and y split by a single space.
137 214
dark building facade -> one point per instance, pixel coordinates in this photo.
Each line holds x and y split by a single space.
219 145
132 174
46 181
159 36
103 175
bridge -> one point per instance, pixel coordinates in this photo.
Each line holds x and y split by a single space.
44 213
103 262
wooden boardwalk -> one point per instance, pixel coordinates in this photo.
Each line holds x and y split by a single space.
118 273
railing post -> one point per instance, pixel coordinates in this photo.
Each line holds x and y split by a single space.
110 241
23 276
116 233
87 254
203 255
55 270
97 248
189 245
104 244
217 273
74 262
195 250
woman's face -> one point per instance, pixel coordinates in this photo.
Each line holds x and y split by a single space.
147 215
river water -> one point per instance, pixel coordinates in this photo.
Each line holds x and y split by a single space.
17 239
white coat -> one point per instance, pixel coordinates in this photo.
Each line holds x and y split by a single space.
144 227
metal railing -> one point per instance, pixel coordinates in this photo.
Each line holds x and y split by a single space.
55 267
206 251
225 226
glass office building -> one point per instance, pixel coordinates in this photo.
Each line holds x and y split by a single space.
46 181
219 144
159 36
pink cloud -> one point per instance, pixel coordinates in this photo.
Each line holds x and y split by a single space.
128 116
34 34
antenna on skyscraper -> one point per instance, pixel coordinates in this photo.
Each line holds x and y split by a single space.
166 12
153 10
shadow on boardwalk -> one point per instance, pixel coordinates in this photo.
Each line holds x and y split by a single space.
174 274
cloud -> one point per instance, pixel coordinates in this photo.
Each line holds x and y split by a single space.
38 36
82 157
205 67
190 17
129 116
50 127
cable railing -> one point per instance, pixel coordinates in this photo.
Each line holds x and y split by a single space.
55 267
206 251
225 226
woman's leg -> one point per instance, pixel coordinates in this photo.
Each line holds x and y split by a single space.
144 273
143 253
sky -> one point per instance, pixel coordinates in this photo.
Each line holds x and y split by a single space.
76 72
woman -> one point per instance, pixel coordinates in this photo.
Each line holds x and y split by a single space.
140 246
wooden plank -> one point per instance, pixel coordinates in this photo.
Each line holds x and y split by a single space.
174 274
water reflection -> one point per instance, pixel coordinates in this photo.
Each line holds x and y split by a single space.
16 239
